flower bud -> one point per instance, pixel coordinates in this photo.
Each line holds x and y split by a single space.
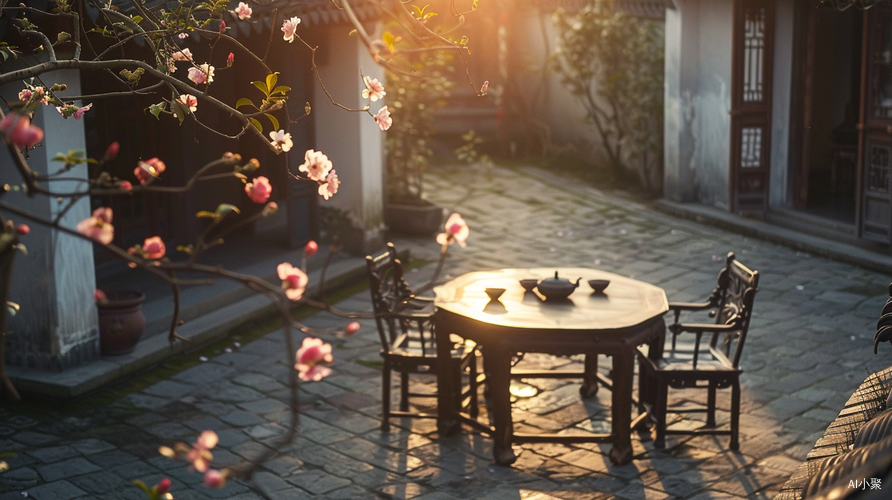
352 327
311 249
112 151
22 229
214 479
163 485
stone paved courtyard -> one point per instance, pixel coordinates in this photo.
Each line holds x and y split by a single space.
809 348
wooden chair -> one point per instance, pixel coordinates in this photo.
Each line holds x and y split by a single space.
688 365
408 342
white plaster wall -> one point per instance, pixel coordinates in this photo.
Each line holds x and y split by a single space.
558 108
713 103
55 281
698 101
352 141
778 184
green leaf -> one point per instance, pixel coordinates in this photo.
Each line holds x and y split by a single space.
272 120
281 89
137 19
262 86
204 214
13 308
257 124
244 101
225 208
157 109
271 80
22 248
142 485
179 110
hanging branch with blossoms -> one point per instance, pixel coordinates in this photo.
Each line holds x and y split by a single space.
109 47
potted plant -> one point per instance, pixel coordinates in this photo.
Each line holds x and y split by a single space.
121 321
408 149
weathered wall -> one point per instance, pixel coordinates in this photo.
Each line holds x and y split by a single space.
57 326
779 177
352 141
698 101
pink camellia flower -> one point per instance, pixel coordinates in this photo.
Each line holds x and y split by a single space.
373 90
294 281
153 248
259 190
183 35
316 165
310 249
289 27
281 139
214 479
80 111
189 102
104 214
243 11
22 230
222 25
149 169
111 152
126 186
230 59
98 227
25 95
163 486
200 454
456 230
310 357
182 55
19 131
352 327
382 117
202 74
329 188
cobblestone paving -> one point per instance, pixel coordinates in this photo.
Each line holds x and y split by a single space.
809 348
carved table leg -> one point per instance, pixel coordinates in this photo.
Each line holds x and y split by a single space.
623 371
497 361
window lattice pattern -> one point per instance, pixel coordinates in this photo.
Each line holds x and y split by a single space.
753 54
751 147
878 169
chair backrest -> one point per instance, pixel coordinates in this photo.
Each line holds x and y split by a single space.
389 290
733 299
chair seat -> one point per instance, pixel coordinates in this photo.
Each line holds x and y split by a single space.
681 360
407 346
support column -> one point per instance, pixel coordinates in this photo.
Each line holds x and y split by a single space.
352 141
57 326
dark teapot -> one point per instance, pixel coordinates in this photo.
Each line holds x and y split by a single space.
557 288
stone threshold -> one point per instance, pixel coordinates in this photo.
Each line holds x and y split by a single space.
154 349
825 247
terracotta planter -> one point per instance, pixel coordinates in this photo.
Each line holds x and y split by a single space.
121 322
419 220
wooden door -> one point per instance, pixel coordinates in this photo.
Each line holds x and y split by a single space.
876 128
751 105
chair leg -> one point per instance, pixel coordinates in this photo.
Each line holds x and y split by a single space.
472 375
710 405
660 406
735 415
385 397
404 391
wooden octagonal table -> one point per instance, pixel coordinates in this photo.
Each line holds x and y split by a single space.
627 314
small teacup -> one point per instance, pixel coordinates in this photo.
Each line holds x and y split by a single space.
494 293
